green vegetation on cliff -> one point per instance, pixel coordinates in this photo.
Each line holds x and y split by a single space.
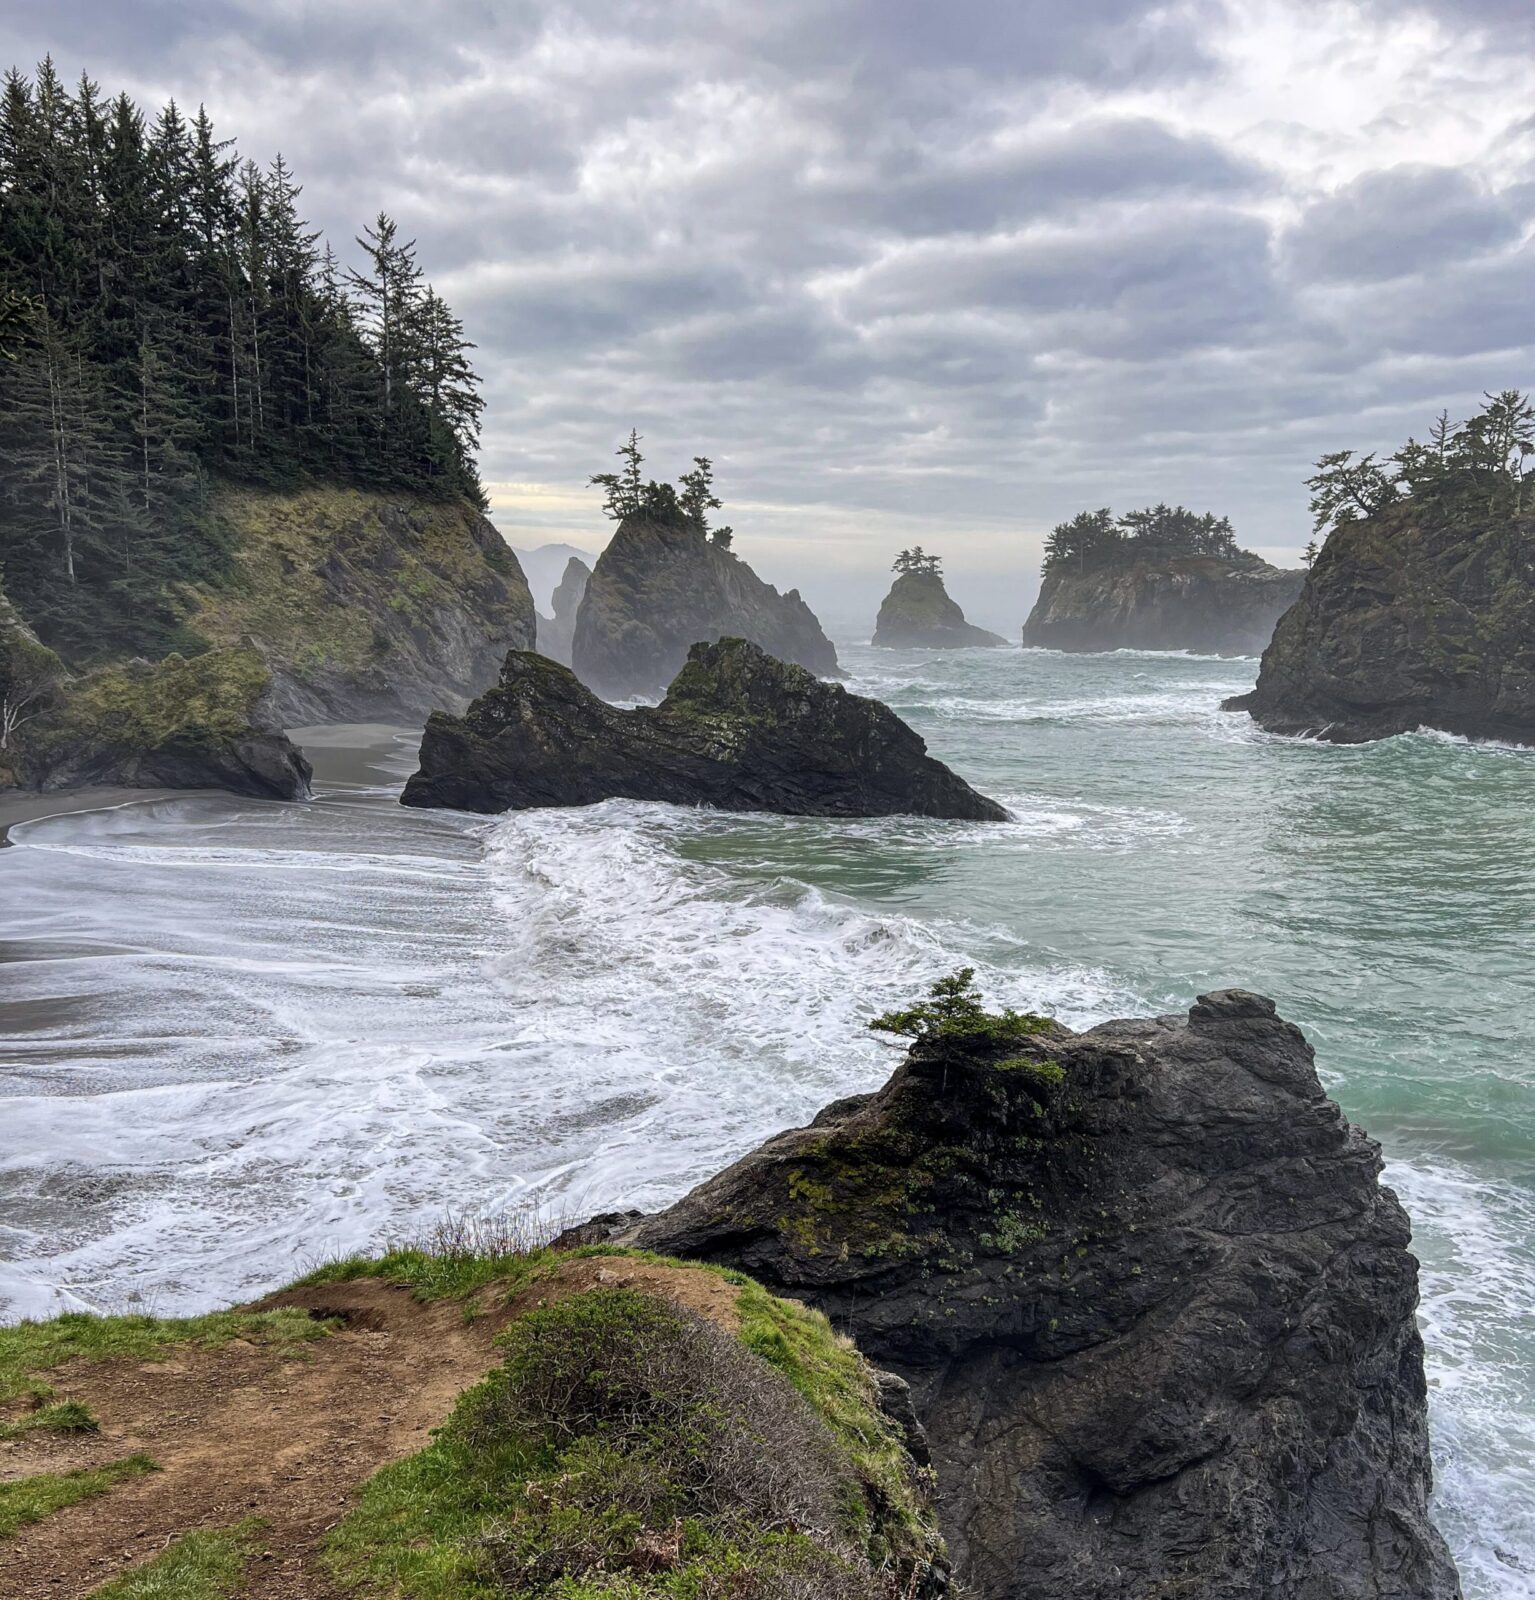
1099 538
171 320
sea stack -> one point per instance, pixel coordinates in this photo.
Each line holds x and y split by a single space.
1421 615
556 632
1159 579
918 611
1155 1309
737 731
663 585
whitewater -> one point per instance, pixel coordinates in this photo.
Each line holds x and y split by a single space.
242 1037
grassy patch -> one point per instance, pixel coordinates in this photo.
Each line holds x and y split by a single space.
29 1500
628 1449
199 1566
65 1416
32 1347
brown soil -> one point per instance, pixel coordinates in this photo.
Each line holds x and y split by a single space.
242 1431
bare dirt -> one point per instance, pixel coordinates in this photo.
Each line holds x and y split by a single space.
241 1431
244 1431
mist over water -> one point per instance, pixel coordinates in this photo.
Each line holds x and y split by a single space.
242 1036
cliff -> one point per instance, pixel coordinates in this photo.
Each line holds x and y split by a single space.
556 633
918 611
738 731
1215 605
660 587
365 605
445 1423
1414 618
1155 1308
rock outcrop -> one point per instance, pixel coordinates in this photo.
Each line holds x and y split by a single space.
1412 619
918 611
1214 605
556 633
197 723
365 605
1155 1308
738 731
660 587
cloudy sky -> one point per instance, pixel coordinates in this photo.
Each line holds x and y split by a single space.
937 270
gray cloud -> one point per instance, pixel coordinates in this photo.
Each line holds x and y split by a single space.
968 266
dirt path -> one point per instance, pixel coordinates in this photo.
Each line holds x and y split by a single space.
242 1432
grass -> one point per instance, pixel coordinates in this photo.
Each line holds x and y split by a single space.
207 1565
628 1450
64 1416
28 1348
29 1500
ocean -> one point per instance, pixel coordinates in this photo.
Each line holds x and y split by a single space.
242 1037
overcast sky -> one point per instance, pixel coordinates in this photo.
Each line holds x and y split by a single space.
936 270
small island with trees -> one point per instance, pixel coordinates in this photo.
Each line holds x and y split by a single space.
1419 608
1159 578
919 613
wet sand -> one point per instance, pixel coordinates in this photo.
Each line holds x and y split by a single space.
342 753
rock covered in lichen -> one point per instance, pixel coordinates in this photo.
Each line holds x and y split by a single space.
1420 616
919 612
662 586
1156 1309
738 731
200 722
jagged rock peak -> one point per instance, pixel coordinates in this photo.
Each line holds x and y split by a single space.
1155 1307
661 586
738 730
556 632
918 611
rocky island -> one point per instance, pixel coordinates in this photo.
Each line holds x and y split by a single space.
1419 611
738 731
667 581
1158 579
1153 1306
918 611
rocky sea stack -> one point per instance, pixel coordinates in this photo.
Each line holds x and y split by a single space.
556 632
738 731
661 586
1154 1307
918 612
1159 579
1417 617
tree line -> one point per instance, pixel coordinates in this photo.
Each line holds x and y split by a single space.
1099 538
686 504
167 316
1471 469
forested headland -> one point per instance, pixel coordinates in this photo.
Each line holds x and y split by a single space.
169 319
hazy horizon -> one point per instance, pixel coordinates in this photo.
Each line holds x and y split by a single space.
908 278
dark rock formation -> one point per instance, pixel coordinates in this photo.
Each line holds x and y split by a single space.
738 731
365 605
1156 1310
662 586
544 567
1215 605
918 611
555 633
199 723
1411 619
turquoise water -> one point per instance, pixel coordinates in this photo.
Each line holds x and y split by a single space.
244 1035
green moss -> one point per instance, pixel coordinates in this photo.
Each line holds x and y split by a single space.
204 700
29 1500
206 1565
28 1348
